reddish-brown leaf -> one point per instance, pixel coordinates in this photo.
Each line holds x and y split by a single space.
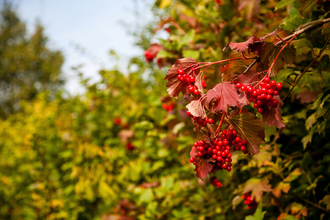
203 167
193 152
257 187
225 94
154 49
240 47
250 128
243 100
248 77
174 85
195 108
272 116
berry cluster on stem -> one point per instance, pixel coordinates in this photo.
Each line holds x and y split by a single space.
263 94
199 120
188 80
219 149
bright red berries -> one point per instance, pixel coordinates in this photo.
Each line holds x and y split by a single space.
201 121
262 95
149 57
188 80
249 201
215 182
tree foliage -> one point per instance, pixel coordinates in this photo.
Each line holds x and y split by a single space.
27 65
121 151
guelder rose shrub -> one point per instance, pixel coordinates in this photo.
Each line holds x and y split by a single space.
244 107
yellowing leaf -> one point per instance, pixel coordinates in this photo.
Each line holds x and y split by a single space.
284 187
293 175
257 187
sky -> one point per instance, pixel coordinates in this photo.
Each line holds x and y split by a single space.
85 31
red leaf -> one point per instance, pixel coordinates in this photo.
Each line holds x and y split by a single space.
272 34
243 100
250 128
241 47
193 152
225 94
248 77
154 49
195 108
203 167
272 116
173 84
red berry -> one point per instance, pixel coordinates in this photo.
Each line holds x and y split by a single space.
196 92
266 79
279 86
260 110
204 84
237 139
275 93
180 71
238 85
243 88
262 84
192 159
210 121
243 148
273 83
224 166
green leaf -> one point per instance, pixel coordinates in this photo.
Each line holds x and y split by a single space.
283 3
191 53
187 38
146 196
143 125
326 201
164 54
312 80
310 121
283 75
258 214
306 7
302 46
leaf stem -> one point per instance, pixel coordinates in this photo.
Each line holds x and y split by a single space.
302 74
278 54
220 124
223 61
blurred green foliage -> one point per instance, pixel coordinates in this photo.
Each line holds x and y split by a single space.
115 153
27 65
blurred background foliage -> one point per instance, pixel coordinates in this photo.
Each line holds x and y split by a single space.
116 152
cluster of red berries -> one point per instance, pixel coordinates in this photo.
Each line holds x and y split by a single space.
199 120
168 107
188 80
215 182
220 148
262 97
232 137
149 57
249 201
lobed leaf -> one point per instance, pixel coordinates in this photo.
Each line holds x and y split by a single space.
306 7
203 167
257 187
195 108
225 94
174 85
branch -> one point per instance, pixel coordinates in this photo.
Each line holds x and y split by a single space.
298 32
302 74
312 203
305 27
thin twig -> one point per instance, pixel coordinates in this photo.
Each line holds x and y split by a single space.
220 124
302 74
273 63
312 203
